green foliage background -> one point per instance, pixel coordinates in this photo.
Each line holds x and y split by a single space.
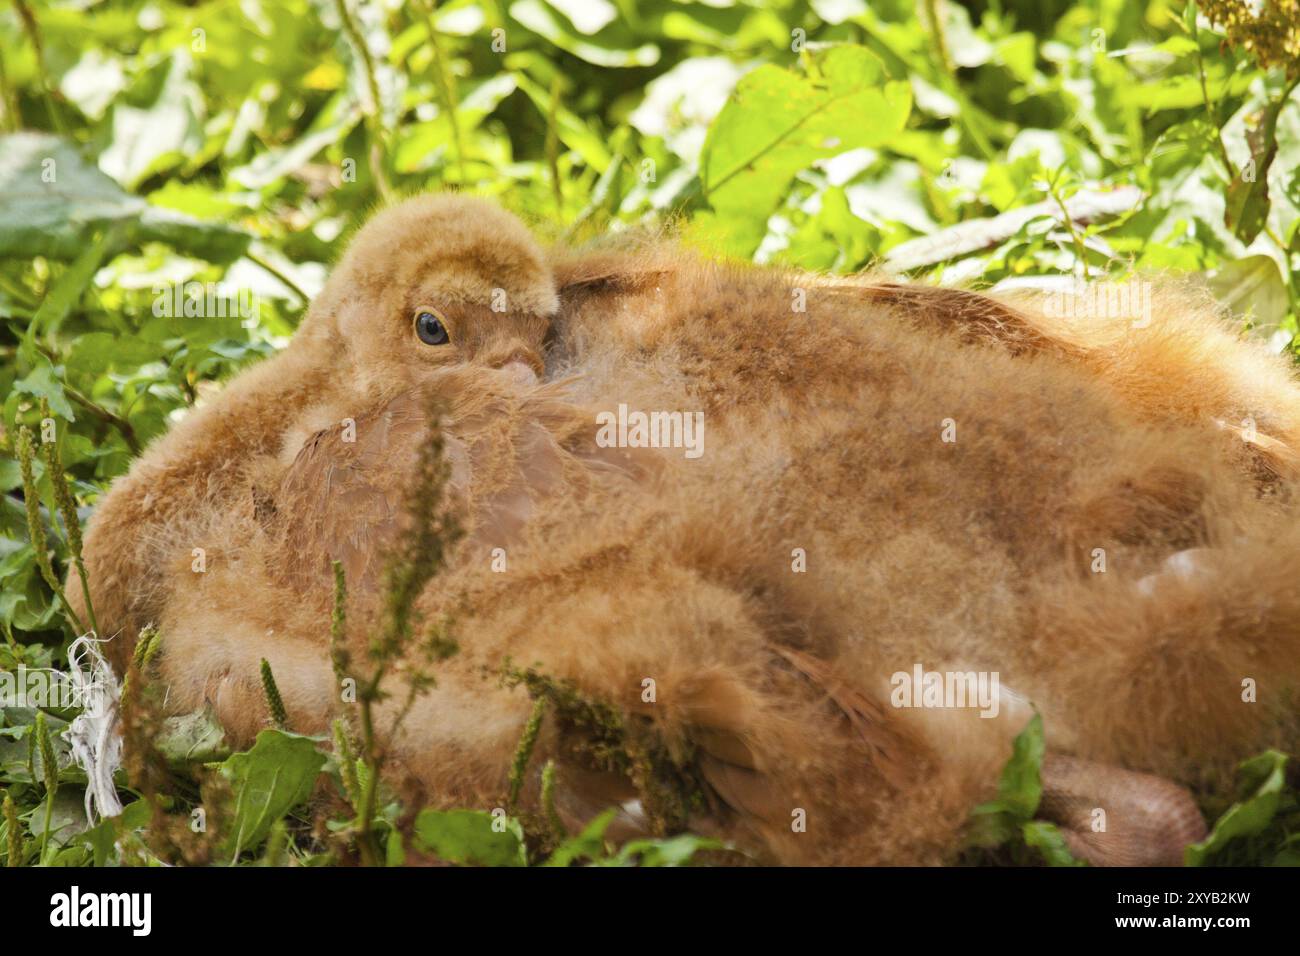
149 143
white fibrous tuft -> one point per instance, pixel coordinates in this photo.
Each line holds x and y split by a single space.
92 735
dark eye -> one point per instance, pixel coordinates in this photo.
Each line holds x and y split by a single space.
430 328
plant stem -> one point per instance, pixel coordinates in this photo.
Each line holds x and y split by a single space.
33 31
966 109
374 109
553 146
937 39
279 275
103 414
35 526
1205 97
524 752
1080 250
445 82
14 837
13 120
374 762
45 835
85 593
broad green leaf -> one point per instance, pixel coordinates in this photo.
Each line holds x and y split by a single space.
94 82
44 383
779 122
1183 91
418 140
1246 209
1254 290
268 781
1019 791
467 836
1021 786
197 737
96 353
587 16
163 130
102 838
70 285
1263 778
571 129
274 165
54 202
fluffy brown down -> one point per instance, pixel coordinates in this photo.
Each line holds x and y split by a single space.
1168 446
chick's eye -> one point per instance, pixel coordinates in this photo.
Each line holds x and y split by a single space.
430 329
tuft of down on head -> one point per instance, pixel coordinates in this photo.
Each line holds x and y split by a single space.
466 246
434 281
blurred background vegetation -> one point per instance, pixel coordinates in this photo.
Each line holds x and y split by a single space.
147 144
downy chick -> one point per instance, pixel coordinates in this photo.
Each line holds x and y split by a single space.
429 286
829 538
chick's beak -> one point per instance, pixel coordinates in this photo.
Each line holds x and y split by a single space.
520 363
521 373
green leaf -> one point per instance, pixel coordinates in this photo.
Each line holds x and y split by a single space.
779 122
1021 786
268 781
991 825
1262 779
162 131
1247 205
1047 840
1253 289
467 836
102 838
418 141
611 47
394 853
1020 789
674 851
70 285
587 845
1183 91
275 164
96 353
574 132
44 383
197 737
55 202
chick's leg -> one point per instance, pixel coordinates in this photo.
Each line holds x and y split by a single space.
1108 816
1115 817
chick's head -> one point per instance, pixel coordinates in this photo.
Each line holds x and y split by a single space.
432 284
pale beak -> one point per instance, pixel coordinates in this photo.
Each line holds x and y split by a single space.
520 373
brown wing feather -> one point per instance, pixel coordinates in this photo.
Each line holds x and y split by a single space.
867 718
342 500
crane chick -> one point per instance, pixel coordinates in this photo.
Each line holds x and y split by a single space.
429 286
896 477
